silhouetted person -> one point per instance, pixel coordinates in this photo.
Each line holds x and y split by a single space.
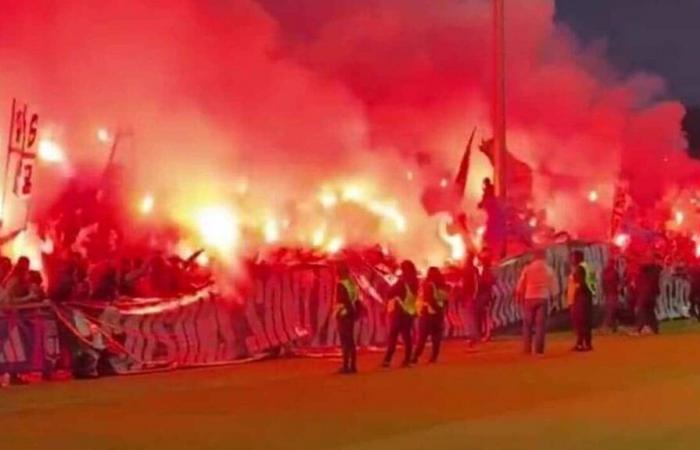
468 292
431 314
347 297
611 294
580 300
484 300
536 286
401 312
647 290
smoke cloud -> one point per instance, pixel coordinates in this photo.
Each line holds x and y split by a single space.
290 95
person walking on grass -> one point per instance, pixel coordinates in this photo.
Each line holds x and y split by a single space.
431 313
536 286
347 311
401 313
579 295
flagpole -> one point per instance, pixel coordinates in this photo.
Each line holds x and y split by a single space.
7 163
499 100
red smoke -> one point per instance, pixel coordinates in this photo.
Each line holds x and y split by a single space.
293 97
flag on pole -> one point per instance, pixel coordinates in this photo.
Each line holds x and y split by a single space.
461 179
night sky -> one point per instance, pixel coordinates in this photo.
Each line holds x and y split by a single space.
660 36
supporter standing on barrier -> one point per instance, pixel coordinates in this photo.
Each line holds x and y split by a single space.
484 299
347 300
470 286
579 297
401 312
611 294
536 286
431 313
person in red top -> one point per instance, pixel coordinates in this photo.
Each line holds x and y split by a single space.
431 313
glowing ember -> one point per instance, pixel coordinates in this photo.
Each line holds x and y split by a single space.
458 248
103 135
353 193
328 199
679 217
218 228
335 245
532 222
271 231
621 240
319 236
389 212
147 204
593 196
444 183
50 151
29 244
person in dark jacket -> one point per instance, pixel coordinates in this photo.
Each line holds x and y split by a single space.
580 301
611 294
431 313
694 279
469 290
401 309
484 300
346 313
647 290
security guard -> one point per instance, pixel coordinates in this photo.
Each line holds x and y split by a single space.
347 309
431 313
402 312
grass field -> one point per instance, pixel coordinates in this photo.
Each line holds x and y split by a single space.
630 393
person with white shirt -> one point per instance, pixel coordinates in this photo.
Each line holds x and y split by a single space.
536 286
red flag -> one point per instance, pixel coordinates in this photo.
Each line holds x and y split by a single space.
461 179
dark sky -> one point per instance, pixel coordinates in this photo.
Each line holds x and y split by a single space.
661 36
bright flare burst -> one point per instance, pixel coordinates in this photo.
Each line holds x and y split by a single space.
335 245
147 204
621 240
458 248
50 151
271 231
679 217
593 196
218 228
103 135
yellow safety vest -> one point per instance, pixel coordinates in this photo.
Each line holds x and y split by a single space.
591 281
353 294
409 302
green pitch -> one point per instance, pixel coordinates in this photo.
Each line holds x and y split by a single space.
630 393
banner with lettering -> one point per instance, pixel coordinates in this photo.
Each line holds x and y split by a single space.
28 339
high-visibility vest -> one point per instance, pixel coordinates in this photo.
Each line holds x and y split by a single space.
591 280
409 301
353 295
